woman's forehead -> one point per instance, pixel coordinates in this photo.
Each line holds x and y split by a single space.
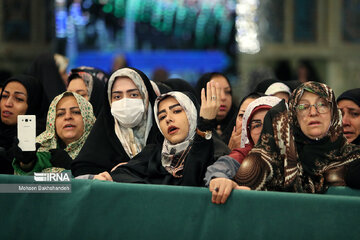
121 83
66 102
15 86
167 102
308 96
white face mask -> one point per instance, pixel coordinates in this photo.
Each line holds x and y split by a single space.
128 111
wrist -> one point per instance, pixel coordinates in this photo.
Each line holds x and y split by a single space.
205 134
205 124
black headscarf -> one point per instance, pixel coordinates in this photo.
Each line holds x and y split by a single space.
103 150
353 95
285 159
229 121
95 72
7 132
178 84
97 87
44 69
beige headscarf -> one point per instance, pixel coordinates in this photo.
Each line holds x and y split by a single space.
133 139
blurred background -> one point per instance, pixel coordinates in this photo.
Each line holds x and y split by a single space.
248 40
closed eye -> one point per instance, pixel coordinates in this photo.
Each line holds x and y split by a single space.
60 114
178 111
161 117
355 114
76 112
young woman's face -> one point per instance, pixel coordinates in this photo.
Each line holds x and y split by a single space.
350 119
13 102
256 124
124 87
241 112
225 97
314 123
78 86
69 124
173 121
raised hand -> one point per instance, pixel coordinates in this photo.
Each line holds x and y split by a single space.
210 103
235 139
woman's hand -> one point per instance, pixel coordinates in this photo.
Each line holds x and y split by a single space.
235 139
210 103
105 176
221 189
114 168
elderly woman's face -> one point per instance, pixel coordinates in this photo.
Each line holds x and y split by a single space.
69 124
350 119
173 121
313 115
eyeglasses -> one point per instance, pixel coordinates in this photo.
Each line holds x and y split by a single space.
255 126
321 107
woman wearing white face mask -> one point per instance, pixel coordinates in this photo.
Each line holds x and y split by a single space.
123 128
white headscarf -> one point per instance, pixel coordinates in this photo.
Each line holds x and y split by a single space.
268 101
276 88
170 150
133 139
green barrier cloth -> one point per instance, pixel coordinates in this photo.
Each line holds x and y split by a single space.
108 210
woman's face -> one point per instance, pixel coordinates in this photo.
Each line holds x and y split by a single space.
350 119
78 86
124 87
313 123
240 116
69 124
256 124
225 97
13 102
173 121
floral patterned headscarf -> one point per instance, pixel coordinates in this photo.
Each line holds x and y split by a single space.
285 159
49 139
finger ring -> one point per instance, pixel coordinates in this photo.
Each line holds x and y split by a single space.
213 98
216 189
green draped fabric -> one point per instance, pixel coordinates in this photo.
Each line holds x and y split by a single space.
108 210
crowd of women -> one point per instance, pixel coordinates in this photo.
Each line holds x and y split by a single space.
284 136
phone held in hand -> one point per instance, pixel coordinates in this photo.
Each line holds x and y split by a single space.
26 126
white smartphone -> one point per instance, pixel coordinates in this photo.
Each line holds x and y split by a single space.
26 126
